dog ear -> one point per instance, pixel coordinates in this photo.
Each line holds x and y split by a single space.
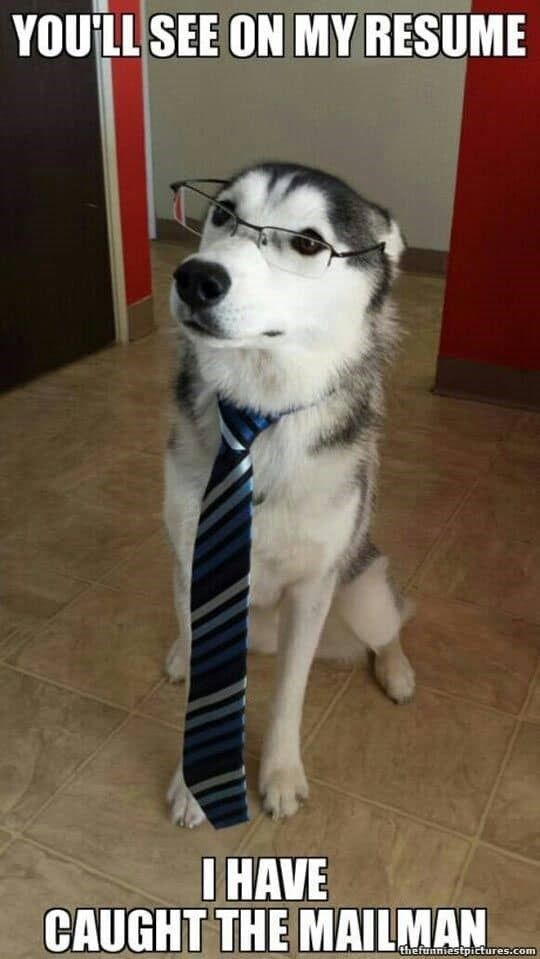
394 242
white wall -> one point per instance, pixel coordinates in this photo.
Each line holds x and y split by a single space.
389 127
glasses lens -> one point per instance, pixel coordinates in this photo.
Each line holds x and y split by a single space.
294 252
192 206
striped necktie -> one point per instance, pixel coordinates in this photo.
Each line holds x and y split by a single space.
213 759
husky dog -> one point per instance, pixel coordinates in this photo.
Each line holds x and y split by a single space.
304 326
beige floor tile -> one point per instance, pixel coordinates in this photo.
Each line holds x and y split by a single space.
462 435
419 301
135 372
45 733
409 489
420 296
133 482
54 465
510 890
414 501
514 817
167 256
26 417
490 554
108 643
5 837
32 881
375 857
46 431
405 542
74 539
407 448
481 654
148 571
142 426
512 499
122 794
19 492
28 598
167 702
121 404
520 473
533 709
435 757
148 363
450 418
522 447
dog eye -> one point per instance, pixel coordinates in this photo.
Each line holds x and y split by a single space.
220 214
307 244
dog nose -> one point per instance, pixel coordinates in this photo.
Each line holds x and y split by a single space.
201 284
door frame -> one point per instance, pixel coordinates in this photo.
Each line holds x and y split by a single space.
150 199
112 193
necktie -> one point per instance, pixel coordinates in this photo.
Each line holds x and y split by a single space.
214 731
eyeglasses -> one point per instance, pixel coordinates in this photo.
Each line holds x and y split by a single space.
305 254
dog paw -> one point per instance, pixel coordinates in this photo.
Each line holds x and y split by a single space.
184 808
283 790
396 675
175 662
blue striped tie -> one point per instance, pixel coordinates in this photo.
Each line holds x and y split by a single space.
213 758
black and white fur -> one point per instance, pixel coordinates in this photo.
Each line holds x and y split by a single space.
278 341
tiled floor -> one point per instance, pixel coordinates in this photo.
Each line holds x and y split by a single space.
433 803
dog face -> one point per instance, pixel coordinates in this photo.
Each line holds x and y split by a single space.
228 294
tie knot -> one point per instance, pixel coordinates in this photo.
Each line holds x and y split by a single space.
240 427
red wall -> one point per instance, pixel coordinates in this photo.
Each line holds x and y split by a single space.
492 307
129 122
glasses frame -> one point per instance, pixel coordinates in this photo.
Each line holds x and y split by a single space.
238 221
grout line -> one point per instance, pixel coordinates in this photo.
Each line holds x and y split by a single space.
33 633
74 774
421 591
246 838
165 607
127 559
511 853
97 872
481 474
520 415
13 642
82 765
387 807
502 768
333 702
13 555
470 702
443 530
69 689
10 837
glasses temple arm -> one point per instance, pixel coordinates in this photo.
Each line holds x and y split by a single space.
179 183
370 249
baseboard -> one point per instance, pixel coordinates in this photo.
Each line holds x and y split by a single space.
415 259
141 318
468 379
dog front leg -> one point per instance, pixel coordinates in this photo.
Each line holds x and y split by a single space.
180 519
282 781
185 810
